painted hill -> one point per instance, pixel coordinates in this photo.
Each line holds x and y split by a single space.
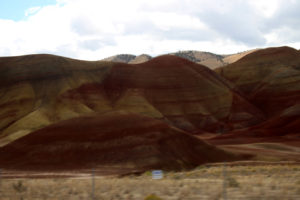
268 78
283 128
287 123
182 92
39 90
152 105
110 140
31 87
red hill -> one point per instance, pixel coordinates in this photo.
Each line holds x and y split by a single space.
269 78
39 90
117 139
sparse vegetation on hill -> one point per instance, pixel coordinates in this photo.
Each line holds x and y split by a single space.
276 182
124 58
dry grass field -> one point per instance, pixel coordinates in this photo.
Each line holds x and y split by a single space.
250 180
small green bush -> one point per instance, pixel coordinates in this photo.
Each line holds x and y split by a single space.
148 173
201 167
153 197
232 182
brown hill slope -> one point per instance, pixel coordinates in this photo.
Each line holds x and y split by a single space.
115 139
269 78
38 90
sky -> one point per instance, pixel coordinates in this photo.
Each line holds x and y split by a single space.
95 29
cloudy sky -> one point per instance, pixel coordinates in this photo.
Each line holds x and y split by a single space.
95 29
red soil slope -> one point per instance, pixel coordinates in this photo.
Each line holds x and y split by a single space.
116 139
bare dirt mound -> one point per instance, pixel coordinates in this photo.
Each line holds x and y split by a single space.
117 139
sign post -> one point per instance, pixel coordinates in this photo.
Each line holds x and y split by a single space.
224 182
93 184
157 174
0 179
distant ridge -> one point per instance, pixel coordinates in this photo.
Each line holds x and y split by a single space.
123 58
140 59
208 59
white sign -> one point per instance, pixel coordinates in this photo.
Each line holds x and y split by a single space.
157 174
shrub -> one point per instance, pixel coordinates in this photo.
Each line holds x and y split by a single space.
19 187
232 182
148 173
153 197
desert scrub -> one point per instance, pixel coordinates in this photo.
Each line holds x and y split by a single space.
200 167
19 187
232 182
153 197
209 185
176 177
147 173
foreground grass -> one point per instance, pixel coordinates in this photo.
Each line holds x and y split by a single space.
243 182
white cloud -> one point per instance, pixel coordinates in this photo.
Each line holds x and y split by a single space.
32 10
266 7
94 29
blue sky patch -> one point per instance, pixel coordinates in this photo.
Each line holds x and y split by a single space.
16 9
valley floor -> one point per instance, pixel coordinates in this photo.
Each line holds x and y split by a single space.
237 180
